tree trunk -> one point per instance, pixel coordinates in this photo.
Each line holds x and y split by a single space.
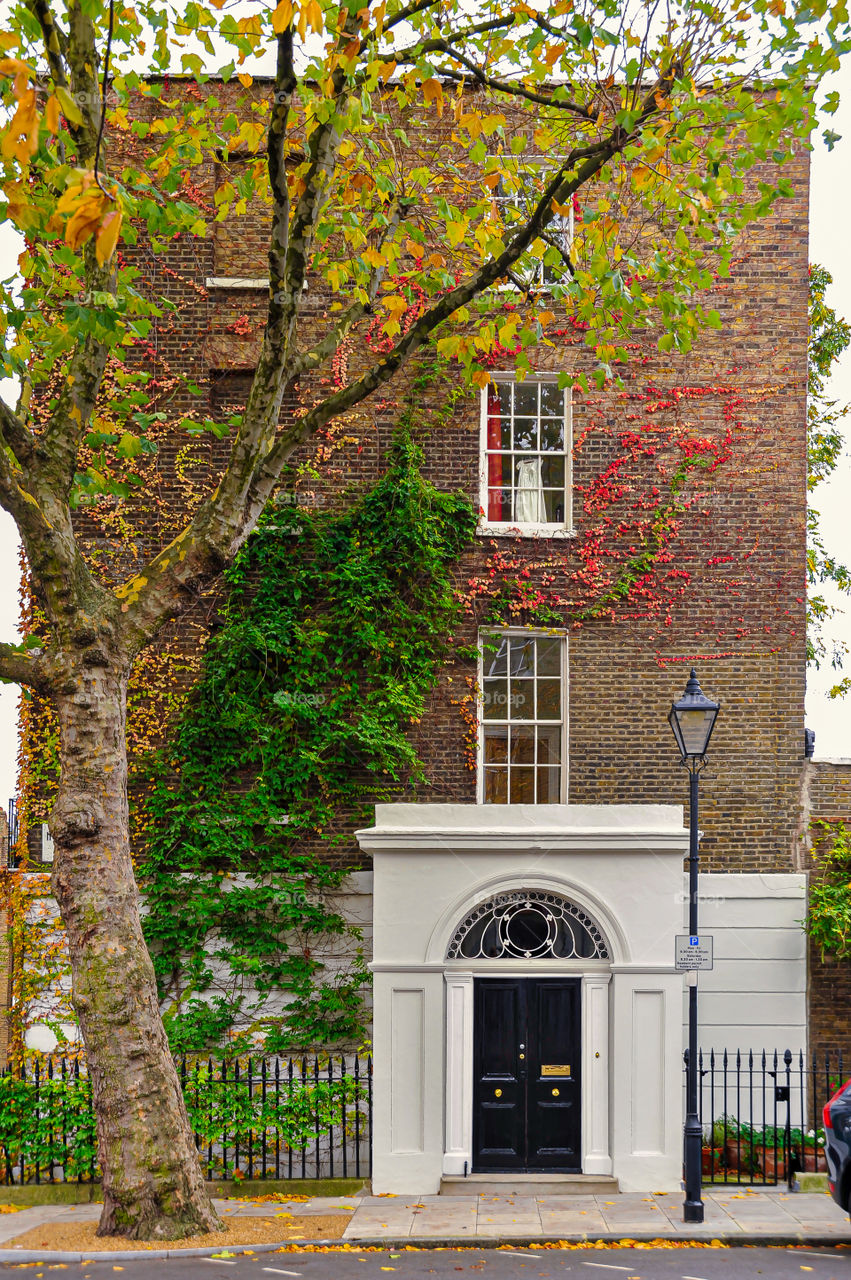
152 1182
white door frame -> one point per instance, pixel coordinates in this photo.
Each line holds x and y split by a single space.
596 1155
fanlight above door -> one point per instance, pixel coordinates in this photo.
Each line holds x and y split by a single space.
527 925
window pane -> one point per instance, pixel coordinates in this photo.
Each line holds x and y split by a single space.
522 745
496 746
522 701
495 699
496 786
495 655
522 656
552 473
525 433
553 506
549 656
522 785
505 389
549 745
552 434
552 400
499 503
526 399
549 786
549 699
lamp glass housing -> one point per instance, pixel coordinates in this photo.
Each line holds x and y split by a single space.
692 720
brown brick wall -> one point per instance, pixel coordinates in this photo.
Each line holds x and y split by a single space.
741 617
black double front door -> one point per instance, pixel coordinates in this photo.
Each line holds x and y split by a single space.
526 1093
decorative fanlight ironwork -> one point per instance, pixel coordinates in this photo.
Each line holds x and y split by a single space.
527 925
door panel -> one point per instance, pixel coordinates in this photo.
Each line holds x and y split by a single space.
526 1095
499 1095
554 1113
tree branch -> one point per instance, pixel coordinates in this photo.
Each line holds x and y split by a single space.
25 666
490 82
175 576
326 347
15 434
55 41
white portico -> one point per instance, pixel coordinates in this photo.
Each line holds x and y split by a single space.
607 881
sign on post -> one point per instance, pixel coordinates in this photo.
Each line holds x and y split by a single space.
692 952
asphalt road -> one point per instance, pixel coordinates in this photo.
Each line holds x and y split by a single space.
489 1264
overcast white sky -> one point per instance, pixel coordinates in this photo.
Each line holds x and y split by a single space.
830 245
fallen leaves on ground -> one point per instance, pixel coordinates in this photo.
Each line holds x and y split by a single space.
79 1237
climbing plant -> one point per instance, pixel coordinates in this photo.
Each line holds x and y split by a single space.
330 639
828 919
829 338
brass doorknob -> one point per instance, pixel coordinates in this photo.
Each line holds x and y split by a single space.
555 1093
497 1093
522 1056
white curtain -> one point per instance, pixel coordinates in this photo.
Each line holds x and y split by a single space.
529 500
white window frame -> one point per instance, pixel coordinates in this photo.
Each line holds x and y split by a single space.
529 633
504 528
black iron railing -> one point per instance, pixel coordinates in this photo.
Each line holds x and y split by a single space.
761 1113
252 1118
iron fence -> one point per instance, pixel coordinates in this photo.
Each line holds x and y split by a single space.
253 1118
762 1113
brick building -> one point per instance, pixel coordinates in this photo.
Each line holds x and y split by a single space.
662 523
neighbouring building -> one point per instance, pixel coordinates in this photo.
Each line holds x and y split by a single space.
521 907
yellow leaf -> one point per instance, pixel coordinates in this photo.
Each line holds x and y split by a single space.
313 16
107 236
456 231
433 92
85 219
481 378
51 113
70 110
20 140
245 79
20 70
282 17
373 258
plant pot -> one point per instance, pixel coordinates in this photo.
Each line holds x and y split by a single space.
738 1157
773 1164
813 1160
710 1160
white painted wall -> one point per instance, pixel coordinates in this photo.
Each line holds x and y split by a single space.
756 995
622 864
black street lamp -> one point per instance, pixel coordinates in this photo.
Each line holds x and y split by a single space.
692 720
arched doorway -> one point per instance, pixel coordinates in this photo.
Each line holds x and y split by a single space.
534 960
527 1030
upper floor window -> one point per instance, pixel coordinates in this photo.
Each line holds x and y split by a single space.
522 683
517 195
526 454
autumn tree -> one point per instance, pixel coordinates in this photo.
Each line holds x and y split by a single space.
416 160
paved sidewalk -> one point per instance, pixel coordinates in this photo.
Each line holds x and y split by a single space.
732 1214
729 1212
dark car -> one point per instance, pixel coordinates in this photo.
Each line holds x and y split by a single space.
837 1145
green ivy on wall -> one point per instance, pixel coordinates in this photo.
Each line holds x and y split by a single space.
331 639
828 919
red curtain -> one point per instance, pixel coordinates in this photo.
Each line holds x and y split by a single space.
494 459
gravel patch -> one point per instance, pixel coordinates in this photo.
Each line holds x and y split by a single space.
79 1237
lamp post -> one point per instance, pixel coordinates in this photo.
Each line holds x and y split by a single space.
692 720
